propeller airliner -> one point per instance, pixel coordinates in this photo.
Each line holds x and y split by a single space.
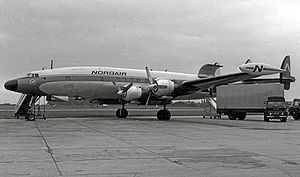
110 85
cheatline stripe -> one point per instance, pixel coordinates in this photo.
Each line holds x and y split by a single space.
134 79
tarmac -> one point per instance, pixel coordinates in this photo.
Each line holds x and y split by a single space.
144 147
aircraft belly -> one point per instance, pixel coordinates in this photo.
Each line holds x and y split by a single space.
86 89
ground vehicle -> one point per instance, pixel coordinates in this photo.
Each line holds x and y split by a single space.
294 110
276 108
236 100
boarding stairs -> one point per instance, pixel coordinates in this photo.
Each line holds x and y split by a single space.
213 107
26 106
213 102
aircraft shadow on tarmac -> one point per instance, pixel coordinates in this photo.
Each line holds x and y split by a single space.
218 122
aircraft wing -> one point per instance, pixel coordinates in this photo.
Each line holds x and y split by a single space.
188 87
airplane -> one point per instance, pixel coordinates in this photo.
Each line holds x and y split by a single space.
110 85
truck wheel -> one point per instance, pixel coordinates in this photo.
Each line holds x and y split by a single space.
283 119
296 116
266 119
242 116
231 117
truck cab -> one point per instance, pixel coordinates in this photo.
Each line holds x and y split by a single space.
294 110
275 108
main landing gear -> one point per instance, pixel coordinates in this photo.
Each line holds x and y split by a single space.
122 113
164 114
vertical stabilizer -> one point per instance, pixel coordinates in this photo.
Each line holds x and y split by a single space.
285 77
209 70
248 61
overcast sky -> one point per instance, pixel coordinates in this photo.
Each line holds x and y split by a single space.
179 35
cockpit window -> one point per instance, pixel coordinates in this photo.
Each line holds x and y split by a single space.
33 75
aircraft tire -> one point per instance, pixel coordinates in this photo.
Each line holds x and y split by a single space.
121 113
30 117
266 119
296 116
163 114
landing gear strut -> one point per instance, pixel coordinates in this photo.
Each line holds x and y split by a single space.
164 114
122 113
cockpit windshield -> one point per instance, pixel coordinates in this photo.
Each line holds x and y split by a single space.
276 104
33 75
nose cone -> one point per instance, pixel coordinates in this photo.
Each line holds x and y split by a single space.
11 85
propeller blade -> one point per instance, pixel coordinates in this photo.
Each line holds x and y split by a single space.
150 79
117 87
126 87
148 99
114 83
122 89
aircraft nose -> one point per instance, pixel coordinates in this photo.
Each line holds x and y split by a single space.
11 85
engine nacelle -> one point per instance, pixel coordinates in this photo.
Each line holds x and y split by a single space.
259 69
57 98
132 93
163 88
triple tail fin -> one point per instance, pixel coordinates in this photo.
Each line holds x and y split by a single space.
248 61
285 77
209 70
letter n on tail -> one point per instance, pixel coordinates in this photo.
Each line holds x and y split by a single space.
258 68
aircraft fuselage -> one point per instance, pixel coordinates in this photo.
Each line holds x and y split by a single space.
89 82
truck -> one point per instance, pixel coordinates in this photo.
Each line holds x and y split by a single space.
237 100
294 109
276 108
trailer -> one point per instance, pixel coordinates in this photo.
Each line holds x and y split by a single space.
236 100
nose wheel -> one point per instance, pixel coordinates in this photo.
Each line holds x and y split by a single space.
122 113
164 114
30 117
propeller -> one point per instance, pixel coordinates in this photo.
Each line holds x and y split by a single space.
122 89
153 87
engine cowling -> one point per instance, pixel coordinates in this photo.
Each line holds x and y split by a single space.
163 88
132 93
54 98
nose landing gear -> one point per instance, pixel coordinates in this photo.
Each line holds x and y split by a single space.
30 117
122 113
